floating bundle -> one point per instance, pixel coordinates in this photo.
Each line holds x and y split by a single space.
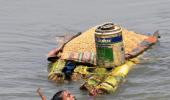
76 58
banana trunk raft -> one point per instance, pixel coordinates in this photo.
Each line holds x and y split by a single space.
75 58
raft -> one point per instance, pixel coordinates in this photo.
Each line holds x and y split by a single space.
75 58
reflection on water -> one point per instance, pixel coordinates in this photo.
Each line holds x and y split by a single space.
28 28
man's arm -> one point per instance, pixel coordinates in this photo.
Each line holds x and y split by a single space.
40 94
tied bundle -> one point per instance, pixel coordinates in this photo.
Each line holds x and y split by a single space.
75 58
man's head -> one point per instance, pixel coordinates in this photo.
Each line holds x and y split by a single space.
63 95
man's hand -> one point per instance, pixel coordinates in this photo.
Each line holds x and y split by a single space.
39 91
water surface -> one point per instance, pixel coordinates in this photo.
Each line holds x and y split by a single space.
28 29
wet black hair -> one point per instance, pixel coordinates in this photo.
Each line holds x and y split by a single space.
58 96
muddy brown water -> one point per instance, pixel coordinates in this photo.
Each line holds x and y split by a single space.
28 29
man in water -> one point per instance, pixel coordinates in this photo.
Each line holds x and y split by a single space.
61 95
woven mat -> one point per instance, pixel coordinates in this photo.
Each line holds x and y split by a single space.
86 42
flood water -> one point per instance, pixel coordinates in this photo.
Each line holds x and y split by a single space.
28 29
